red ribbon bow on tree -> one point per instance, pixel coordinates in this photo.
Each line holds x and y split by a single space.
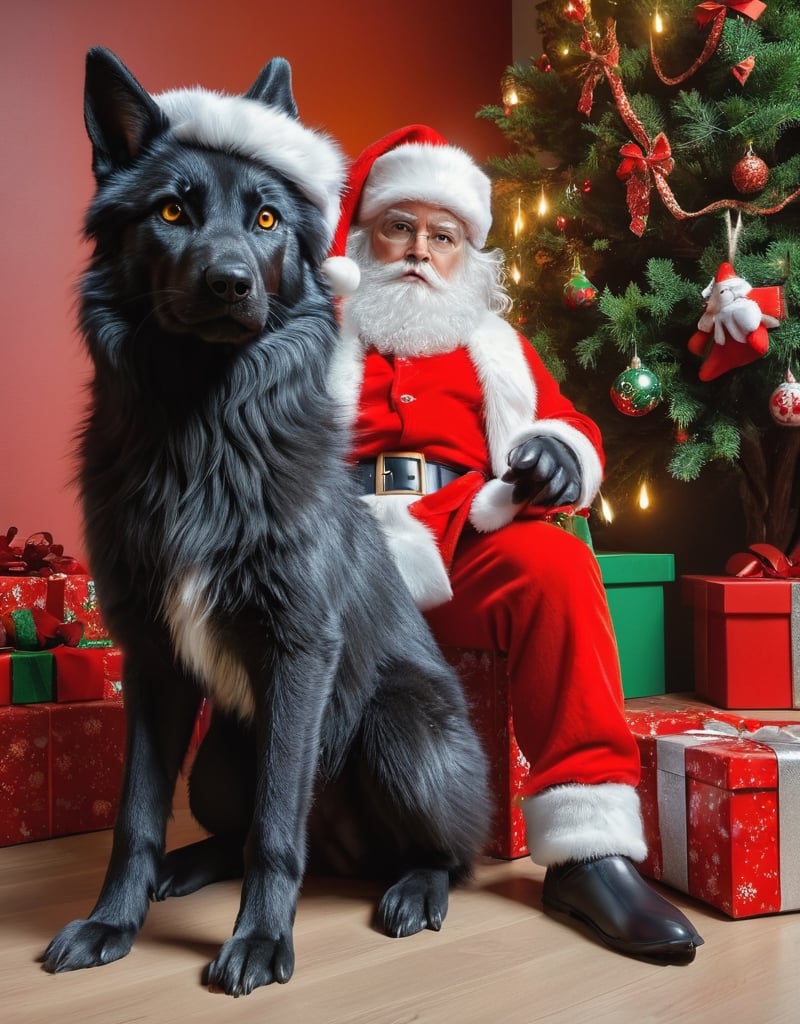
601 62
706 12
637 169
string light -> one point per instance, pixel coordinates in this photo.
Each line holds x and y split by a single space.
515 273
605 508
644 497
543 206
519 220
658 24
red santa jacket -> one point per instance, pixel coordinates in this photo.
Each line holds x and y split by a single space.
467 408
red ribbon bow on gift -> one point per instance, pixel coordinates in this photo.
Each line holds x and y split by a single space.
706 12
39 557
764 560
601 61
636 169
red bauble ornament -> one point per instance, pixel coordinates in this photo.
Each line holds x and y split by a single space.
784 402
574 10
750 174
543 63
587 186
561 223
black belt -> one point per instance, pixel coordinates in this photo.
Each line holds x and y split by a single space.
403 473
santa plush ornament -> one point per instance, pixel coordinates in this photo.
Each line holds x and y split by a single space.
732 331
417 164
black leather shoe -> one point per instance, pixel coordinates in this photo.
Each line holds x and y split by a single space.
610 896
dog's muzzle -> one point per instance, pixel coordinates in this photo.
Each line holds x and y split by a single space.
403 473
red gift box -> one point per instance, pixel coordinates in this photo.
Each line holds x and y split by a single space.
45 592
647 723
722 813
60 768
80 602
112 672
79 673
24 774
5 677
484 677
87 753
745 635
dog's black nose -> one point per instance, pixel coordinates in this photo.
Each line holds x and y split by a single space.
229 282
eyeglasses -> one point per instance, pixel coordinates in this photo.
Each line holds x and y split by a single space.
441 239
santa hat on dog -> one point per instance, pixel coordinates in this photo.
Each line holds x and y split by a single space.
240 124
415 163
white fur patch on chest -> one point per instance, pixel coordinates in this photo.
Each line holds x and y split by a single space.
198 645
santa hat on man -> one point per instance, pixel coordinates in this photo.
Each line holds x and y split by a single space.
411 164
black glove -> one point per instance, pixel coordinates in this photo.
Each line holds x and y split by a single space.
544 471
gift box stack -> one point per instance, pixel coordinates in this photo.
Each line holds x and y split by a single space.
62 727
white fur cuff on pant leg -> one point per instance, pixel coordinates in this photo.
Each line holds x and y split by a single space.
577 822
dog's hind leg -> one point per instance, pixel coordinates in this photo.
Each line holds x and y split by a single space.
221 798
160 708
425 777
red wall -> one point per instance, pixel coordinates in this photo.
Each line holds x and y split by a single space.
361 68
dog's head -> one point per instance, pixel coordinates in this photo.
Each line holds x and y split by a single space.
216 211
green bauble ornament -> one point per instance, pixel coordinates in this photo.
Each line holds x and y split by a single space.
637 390
579 292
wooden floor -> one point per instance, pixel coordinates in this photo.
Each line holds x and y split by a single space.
498 960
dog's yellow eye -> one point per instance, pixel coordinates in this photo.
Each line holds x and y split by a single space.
267 219
171 212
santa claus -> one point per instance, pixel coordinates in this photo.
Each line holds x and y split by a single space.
464 447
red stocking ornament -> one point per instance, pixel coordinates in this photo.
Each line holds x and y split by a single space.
733 328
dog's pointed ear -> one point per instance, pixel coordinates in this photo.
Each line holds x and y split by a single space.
120 115
274 86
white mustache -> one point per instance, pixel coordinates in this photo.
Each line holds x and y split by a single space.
397 271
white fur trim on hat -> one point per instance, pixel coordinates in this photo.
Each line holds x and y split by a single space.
237 124
440 175
578 822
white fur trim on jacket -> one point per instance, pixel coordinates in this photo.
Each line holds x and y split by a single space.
236 124
510 401
413 548
578 822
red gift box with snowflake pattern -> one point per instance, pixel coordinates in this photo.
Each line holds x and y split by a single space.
484 676
721 808
60 768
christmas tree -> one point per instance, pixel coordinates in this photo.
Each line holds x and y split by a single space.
649 207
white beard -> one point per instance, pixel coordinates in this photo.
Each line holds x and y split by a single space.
410 318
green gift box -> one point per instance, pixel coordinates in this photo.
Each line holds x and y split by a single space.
634 585
32 677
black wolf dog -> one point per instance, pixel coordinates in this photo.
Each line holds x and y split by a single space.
232 556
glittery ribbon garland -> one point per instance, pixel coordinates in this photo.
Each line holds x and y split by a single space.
673 810
710 48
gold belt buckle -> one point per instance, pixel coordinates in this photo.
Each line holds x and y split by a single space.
382 474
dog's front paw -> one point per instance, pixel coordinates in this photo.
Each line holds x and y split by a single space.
86 944
246 963
417 901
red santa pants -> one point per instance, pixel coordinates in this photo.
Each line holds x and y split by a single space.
534 592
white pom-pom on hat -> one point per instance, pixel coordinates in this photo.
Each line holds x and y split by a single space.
342 274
